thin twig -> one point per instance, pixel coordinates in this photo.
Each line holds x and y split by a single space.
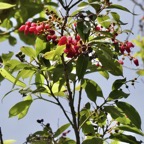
138 4
1 139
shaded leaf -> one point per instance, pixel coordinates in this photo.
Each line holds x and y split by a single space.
93 140
92 89
81 66
125 138
118 83
130 129
117 94
131 113
115 6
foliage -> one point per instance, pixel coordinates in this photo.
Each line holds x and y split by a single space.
62 48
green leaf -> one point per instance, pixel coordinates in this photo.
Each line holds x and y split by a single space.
40 45
88 129
104 21
115 6
93 140
49 55
131 113
20 108
7 56
117 114
59 50
117 94
104 74
9 77
28 51
83 29
5 5
83 4
24 74
12 40
111 65
92 89
130 129
118 83
61 129
124 138
115 16
81 66
7 24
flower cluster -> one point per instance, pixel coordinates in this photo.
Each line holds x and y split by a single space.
72 45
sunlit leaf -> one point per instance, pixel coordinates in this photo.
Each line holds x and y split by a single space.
5 5
61 129
11 78
20 108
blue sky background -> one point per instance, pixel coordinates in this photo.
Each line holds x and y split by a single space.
12 128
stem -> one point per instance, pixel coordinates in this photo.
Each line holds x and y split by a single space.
1 139
79 104
71 103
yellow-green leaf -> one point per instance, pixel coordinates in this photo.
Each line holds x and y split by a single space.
5 5
11 78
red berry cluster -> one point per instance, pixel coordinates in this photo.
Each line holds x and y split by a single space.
72 45
39 28
126 47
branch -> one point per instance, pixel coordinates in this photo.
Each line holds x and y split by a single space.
138 4
79 104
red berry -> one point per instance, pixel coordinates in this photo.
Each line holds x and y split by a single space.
28 23
49 37
51 32
53 37
97 28
22 28
121 62
32 29
77 38
136 62
62 40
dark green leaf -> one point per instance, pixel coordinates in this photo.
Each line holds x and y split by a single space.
118 83
12 40
131 113
81 66
88 128
117 94
92 89
83 29
93 140
130 129
115 6
61 129
125 138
